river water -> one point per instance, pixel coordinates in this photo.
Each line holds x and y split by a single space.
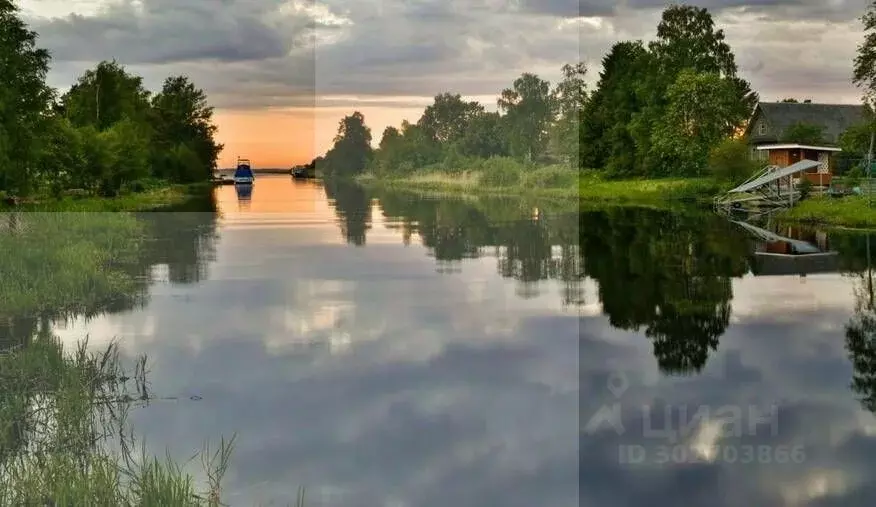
387 350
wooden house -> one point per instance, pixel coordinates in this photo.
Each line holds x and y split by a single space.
766 133
770 121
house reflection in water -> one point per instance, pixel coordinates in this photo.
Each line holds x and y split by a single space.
790 251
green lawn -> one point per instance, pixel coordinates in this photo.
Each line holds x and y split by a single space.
851 211
647 190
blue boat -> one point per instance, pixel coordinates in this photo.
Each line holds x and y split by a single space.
244 191
243 174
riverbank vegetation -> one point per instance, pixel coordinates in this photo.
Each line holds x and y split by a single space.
105 136
664 110
665 120
148 195
64 439
851 211
64 413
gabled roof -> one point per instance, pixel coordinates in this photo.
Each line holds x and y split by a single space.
835 118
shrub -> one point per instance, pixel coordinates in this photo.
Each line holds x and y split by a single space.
455 162
853 177
406 168
501 172
554 176
730 161
805 188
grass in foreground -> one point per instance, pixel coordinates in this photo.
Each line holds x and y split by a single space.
59 414
851 211
57 263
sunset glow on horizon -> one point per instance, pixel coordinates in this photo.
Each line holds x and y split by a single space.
280 138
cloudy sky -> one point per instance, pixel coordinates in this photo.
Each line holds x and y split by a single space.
281 73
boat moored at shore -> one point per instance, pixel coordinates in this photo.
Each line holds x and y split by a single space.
244 174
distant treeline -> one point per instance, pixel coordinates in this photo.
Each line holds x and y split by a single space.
105 135
672 107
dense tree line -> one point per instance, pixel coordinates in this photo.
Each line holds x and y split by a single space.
657 110
104 135
535 123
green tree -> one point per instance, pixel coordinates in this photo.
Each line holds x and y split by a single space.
351 151
485 137
570 97
62 155
605 139
730 161
529 111
864 72
387 159
180 114
24 100
105 95
855 141
687 39
699 115
391 137
127 143
448 118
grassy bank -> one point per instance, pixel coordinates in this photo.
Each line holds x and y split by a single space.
852 211
60 263
64 439
61 417
504 177
153 198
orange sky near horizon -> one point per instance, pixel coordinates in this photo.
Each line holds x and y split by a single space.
286 137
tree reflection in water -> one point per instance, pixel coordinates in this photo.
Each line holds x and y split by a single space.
58 266
353 207
663 272
861 330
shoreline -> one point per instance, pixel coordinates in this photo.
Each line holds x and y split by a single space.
154 199
585 189
848 213
851 213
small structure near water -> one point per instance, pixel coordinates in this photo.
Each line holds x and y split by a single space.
783 155
306 171
773 187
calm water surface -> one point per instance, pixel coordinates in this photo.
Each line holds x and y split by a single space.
382 350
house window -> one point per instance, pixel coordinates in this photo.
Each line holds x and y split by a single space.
761 128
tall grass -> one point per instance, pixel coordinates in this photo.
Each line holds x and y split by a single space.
60 413
851 211
64 437
69 262
507 176
145 197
